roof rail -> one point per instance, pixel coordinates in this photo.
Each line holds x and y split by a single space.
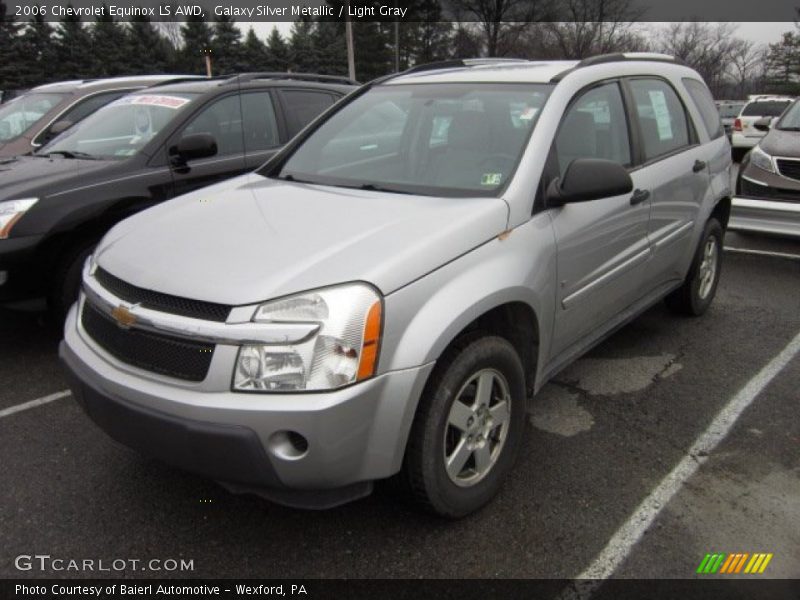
460 62
245 77
601 59
626 56
179 79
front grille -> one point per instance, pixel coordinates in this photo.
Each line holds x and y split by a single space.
150 351
789 168
752 190
176 305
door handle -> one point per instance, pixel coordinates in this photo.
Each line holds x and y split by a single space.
639 196
698 166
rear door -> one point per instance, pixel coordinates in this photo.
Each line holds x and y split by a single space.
676 170
602 245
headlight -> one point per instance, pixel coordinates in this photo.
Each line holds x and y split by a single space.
760 159
10 213
344 349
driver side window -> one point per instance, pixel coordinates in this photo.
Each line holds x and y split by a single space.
594 127
221 119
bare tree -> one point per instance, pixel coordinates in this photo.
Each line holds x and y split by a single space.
501 22
747 66
589 27
708 48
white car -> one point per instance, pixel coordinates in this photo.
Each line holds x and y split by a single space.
745 134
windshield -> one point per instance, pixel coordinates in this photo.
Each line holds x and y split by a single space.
23 112
429 139
768 108
730 111
119 129
790 119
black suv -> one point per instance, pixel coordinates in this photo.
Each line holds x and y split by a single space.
137 151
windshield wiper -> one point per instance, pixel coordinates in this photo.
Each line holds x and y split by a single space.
374 187
294 179
70 154
788 128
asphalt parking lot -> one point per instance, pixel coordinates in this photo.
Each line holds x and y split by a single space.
589 495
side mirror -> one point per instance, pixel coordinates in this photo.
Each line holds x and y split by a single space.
58 127
194 146
589 179
763 124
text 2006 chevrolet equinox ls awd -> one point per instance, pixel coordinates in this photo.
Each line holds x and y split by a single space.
378 299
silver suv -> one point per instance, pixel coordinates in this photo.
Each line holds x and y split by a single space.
380 299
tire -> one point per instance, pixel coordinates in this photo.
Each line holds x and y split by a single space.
490 440
695 295
66 282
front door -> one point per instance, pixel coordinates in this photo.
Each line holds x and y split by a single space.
602 245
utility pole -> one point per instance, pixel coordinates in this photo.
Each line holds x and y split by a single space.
348 29
396 41
207 54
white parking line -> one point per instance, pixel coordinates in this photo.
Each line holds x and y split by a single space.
627 536
33 403
762 252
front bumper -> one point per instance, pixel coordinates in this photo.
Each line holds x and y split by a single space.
765 203
765 216
20 273
355 435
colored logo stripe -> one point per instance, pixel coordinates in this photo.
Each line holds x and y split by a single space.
734 563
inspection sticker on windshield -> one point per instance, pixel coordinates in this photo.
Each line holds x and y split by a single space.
491 178
172 102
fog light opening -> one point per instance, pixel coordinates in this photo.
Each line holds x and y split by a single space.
288 445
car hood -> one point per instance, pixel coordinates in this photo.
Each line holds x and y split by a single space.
38 176
782 143
251 239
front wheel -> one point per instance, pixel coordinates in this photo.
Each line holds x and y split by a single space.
695 295
468 428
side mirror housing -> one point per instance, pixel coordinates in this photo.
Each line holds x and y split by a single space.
194 146
763 124
589 179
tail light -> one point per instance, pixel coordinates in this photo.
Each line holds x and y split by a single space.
737 125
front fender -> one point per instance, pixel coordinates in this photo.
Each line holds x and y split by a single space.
425 316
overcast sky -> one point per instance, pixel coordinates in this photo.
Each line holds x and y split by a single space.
762 33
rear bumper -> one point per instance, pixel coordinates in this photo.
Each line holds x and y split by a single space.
765 216
355 435
739 140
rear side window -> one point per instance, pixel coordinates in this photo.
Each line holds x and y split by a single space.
303 107
767 108
662 119
705 104
594 127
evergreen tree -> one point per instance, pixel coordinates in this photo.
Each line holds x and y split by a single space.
74 48
146 49
108 47
254 52
331 47
302 53
11 71
226 44
424 37
277 53
372 42
783 64
196 35
39 52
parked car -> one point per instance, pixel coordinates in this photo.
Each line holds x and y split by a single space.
728 111
745 134
137 151
38 115
768 185
369 305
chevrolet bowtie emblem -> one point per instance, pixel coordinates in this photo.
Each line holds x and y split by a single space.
123 316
